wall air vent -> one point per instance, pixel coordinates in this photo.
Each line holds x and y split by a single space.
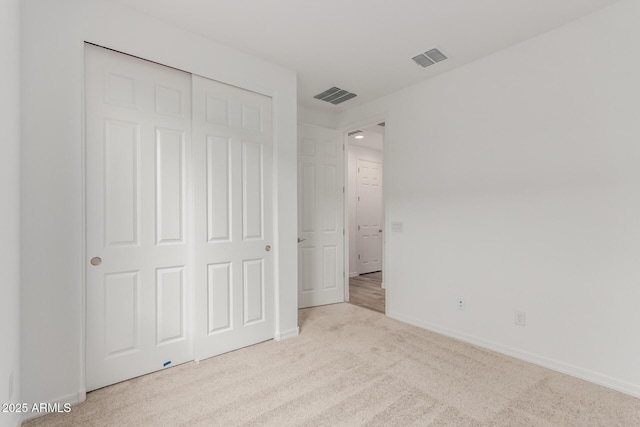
335 95
429 58
355 132
383 124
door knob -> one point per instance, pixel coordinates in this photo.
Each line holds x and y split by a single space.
96 260
267 248
301 240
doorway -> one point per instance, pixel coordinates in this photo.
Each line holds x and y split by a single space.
366 217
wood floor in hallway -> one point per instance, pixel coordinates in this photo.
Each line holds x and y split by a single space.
366 291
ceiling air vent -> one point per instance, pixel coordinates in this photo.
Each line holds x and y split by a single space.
335 95
355 132
429 58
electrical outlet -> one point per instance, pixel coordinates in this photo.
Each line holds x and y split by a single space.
460 303
520 318
10 386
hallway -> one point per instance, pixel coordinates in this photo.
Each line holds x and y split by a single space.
366 291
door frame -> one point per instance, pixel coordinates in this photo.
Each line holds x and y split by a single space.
345 129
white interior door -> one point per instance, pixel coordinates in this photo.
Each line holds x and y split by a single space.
138 120
320 216
369 216
234 267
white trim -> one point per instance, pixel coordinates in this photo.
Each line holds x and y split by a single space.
275 211
291 333
82 380
345 211
545 362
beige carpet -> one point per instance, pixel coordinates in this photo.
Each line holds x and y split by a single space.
351 366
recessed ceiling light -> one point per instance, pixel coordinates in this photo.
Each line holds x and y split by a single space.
359 136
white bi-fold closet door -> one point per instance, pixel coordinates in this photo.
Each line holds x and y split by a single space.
178 215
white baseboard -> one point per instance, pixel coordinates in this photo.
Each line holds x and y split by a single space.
545 362
72 399
287 334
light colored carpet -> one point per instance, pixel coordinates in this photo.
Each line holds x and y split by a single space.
351 366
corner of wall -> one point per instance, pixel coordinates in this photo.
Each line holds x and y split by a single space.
10 390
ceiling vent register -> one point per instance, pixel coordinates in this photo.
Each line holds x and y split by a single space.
429 58
355 132
335 95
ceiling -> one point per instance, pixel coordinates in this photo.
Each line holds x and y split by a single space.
365 46
372 137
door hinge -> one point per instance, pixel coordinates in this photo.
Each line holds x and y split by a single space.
358 198
343 275
358 256
358 227
343 189
343 231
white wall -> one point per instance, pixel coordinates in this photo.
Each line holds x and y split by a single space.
10 211
517 180
316 116
52 222
356 152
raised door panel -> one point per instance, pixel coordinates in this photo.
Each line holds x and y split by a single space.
307 197
330 200
121 313
170 303
252 191
170 186
219 298
122 182
307 270
218 176
169 101
119 90
329 263
253 291
217 110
